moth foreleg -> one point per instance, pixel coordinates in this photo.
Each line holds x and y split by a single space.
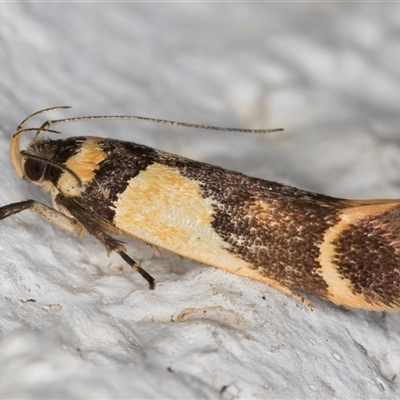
56 217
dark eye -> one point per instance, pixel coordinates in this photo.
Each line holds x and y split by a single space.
33 169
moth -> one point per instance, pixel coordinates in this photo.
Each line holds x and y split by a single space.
344 251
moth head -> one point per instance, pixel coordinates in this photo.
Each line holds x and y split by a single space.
33 163
33 168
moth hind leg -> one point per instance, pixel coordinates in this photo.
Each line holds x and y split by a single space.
288 291
139 269
112 244
297 297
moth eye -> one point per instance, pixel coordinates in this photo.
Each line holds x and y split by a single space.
34 169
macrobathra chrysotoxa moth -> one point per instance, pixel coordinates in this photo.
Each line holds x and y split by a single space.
345 251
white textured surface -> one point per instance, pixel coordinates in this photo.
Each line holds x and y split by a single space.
73 325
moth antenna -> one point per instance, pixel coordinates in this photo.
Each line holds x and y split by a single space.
157 121
55 165
15 152
23 123
38 131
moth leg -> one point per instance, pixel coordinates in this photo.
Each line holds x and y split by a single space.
72 225
56 217
295 296
99 229
156 250
139 269
284 289
302 300
112 244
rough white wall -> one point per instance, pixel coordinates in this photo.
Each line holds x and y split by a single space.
76 324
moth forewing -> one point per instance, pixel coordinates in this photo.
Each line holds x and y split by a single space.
345 251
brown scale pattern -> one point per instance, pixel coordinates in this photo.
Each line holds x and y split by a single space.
124 161
368 254
276 228
282 243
